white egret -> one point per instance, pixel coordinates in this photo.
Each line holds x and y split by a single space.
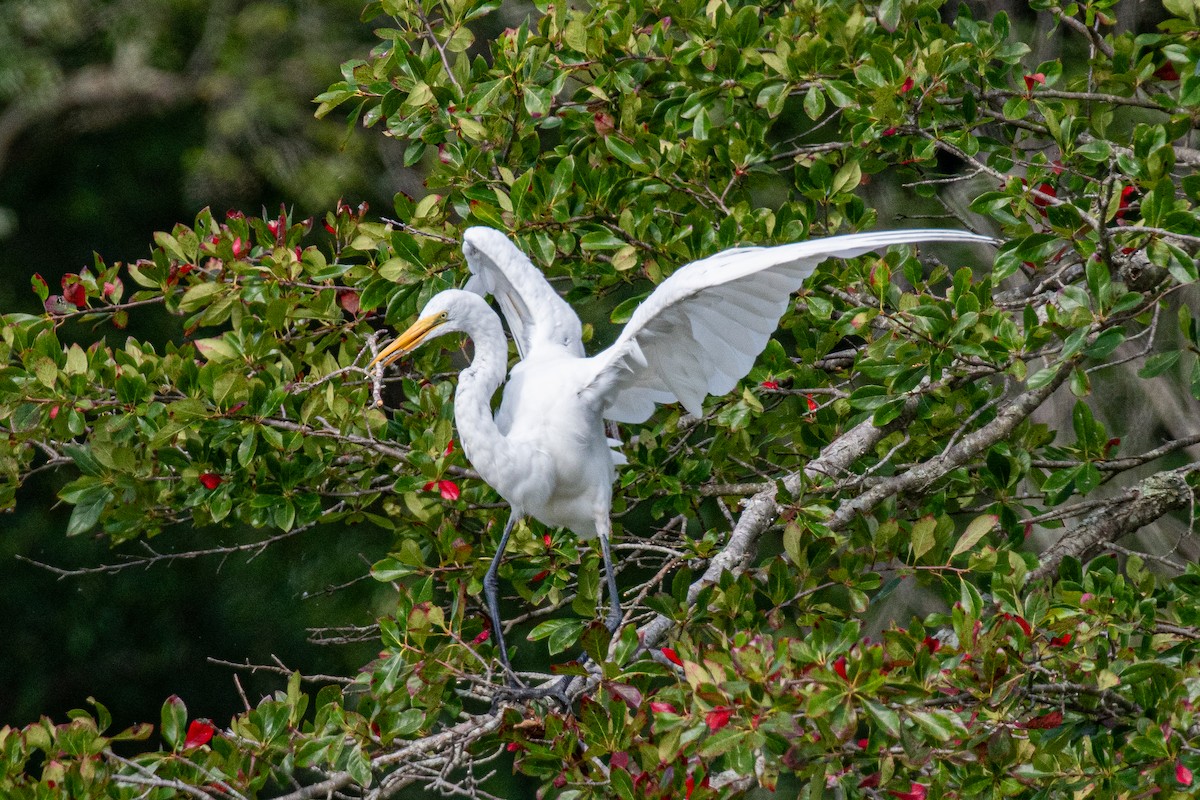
546 451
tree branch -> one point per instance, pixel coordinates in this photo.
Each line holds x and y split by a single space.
1140 505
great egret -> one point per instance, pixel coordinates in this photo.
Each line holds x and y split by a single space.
546 451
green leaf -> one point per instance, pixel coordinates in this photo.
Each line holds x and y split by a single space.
923 538
198 296
174 720
976 530
887 719
1159 363
624 151
814 103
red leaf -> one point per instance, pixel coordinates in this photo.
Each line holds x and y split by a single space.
671 656
619 759
198 733
932 643
540 576
1030 80
659 707
718 718
348 300
40 287
603 123
449 448
447 489
1183 774
211 480
1167 72
1021 623
839 667
482 636
1044 189
1044 722
907 85
889 132
1061 641
916 791
689 785
75 293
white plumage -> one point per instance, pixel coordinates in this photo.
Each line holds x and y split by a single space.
545 450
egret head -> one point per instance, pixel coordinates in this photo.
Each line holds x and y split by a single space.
444 313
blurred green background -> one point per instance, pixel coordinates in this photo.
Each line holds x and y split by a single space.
117 119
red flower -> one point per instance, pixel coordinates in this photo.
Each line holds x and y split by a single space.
932 644
1183 774
812 404
839 667
449 448
916 791
1030 80
718 718
240 248
211 480
772 385
889 132
907 85
482 636
689 785
53 412
672 656
448 489
198 733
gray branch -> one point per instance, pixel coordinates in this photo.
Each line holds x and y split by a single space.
1138 506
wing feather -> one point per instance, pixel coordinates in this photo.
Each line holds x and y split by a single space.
533 310
701 330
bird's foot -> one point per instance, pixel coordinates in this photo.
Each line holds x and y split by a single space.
556 692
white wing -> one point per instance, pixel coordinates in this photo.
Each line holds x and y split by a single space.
533 310
700 331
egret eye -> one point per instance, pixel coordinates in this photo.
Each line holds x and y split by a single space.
443 315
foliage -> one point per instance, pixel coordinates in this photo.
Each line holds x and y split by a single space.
887 438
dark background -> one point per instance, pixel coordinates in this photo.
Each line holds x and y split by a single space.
117 121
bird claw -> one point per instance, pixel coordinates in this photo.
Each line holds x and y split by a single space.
517 694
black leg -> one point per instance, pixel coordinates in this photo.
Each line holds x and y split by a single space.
491 584
613 621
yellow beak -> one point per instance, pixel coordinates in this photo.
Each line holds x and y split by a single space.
408 341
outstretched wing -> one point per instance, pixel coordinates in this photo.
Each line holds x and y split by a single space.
700 331
533 310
